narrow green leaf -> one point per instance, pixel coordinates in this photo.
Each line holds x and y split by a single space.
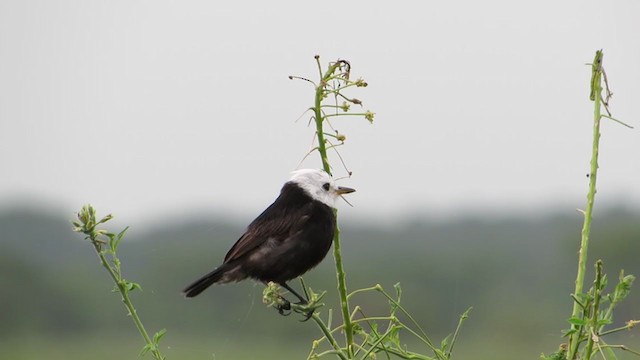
444 344
104 219
394 336
157 336
112 238
118 238
604 282
145 350
398 289
357 329
577 321
132 286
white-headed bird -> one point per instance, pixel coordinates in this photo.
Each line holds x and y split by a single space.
288 239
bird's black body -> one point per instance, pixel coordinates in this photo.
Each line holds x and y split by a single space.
288 239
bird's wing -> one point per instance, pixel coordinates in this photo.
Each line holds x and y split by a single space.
271 224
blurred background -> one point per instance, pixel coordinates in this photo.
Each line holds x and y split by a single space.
180 119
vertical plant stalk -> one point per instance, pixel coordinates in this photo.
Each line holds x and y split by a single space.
87 225
596 97
121 284
337 253
593 328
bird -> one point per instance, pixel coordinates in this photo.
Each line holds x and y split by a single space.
289 238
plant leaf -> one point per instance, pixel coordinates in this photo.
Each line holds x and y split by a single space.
132 286
119 237
577 321
157 336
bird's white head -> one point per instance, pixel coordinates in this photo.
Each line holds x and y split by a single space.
319 185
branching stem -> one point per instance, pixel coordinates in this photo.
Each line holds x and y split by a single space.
337 252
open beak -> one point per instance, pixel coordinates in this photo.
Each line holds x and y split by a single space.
344 190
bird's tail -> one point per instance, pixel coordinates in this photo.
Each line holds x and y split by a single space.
204 282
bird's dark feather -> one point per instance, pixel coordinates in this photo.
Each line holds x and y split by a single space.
288 214
288 239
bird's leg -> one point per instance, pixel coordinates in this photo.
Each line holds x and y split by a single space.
285 306
302 301
271 296
304 288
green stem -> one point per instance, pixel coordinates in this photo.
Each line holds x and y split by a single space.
365 319
373 288
374 346
622 347
125 299
342 290
597 294
408 354
464 316
586 228
322 144
424 337
346 114
327 334
337 254
618 329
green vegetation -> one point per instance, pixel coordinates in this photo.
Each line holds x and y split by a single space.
106 245
593 310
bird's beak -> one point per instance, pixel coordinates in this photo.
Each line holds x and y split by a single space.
344 190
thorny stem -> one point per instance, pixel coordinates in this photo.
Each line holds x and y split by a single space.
596 89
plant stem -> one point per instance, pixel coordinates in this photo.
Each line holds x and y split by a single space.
623 347
424 337
322 144
342 290
329 336
464 317
596 85
597 294
618 329
375 345
126 300
337 254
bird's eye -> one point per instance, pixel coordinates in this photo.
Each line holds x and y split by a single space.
326 186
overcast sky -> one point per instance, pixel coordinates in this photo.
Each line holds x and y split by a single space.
153 108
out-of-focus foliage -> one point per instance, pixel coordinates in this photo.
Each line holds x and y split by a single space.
516 272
